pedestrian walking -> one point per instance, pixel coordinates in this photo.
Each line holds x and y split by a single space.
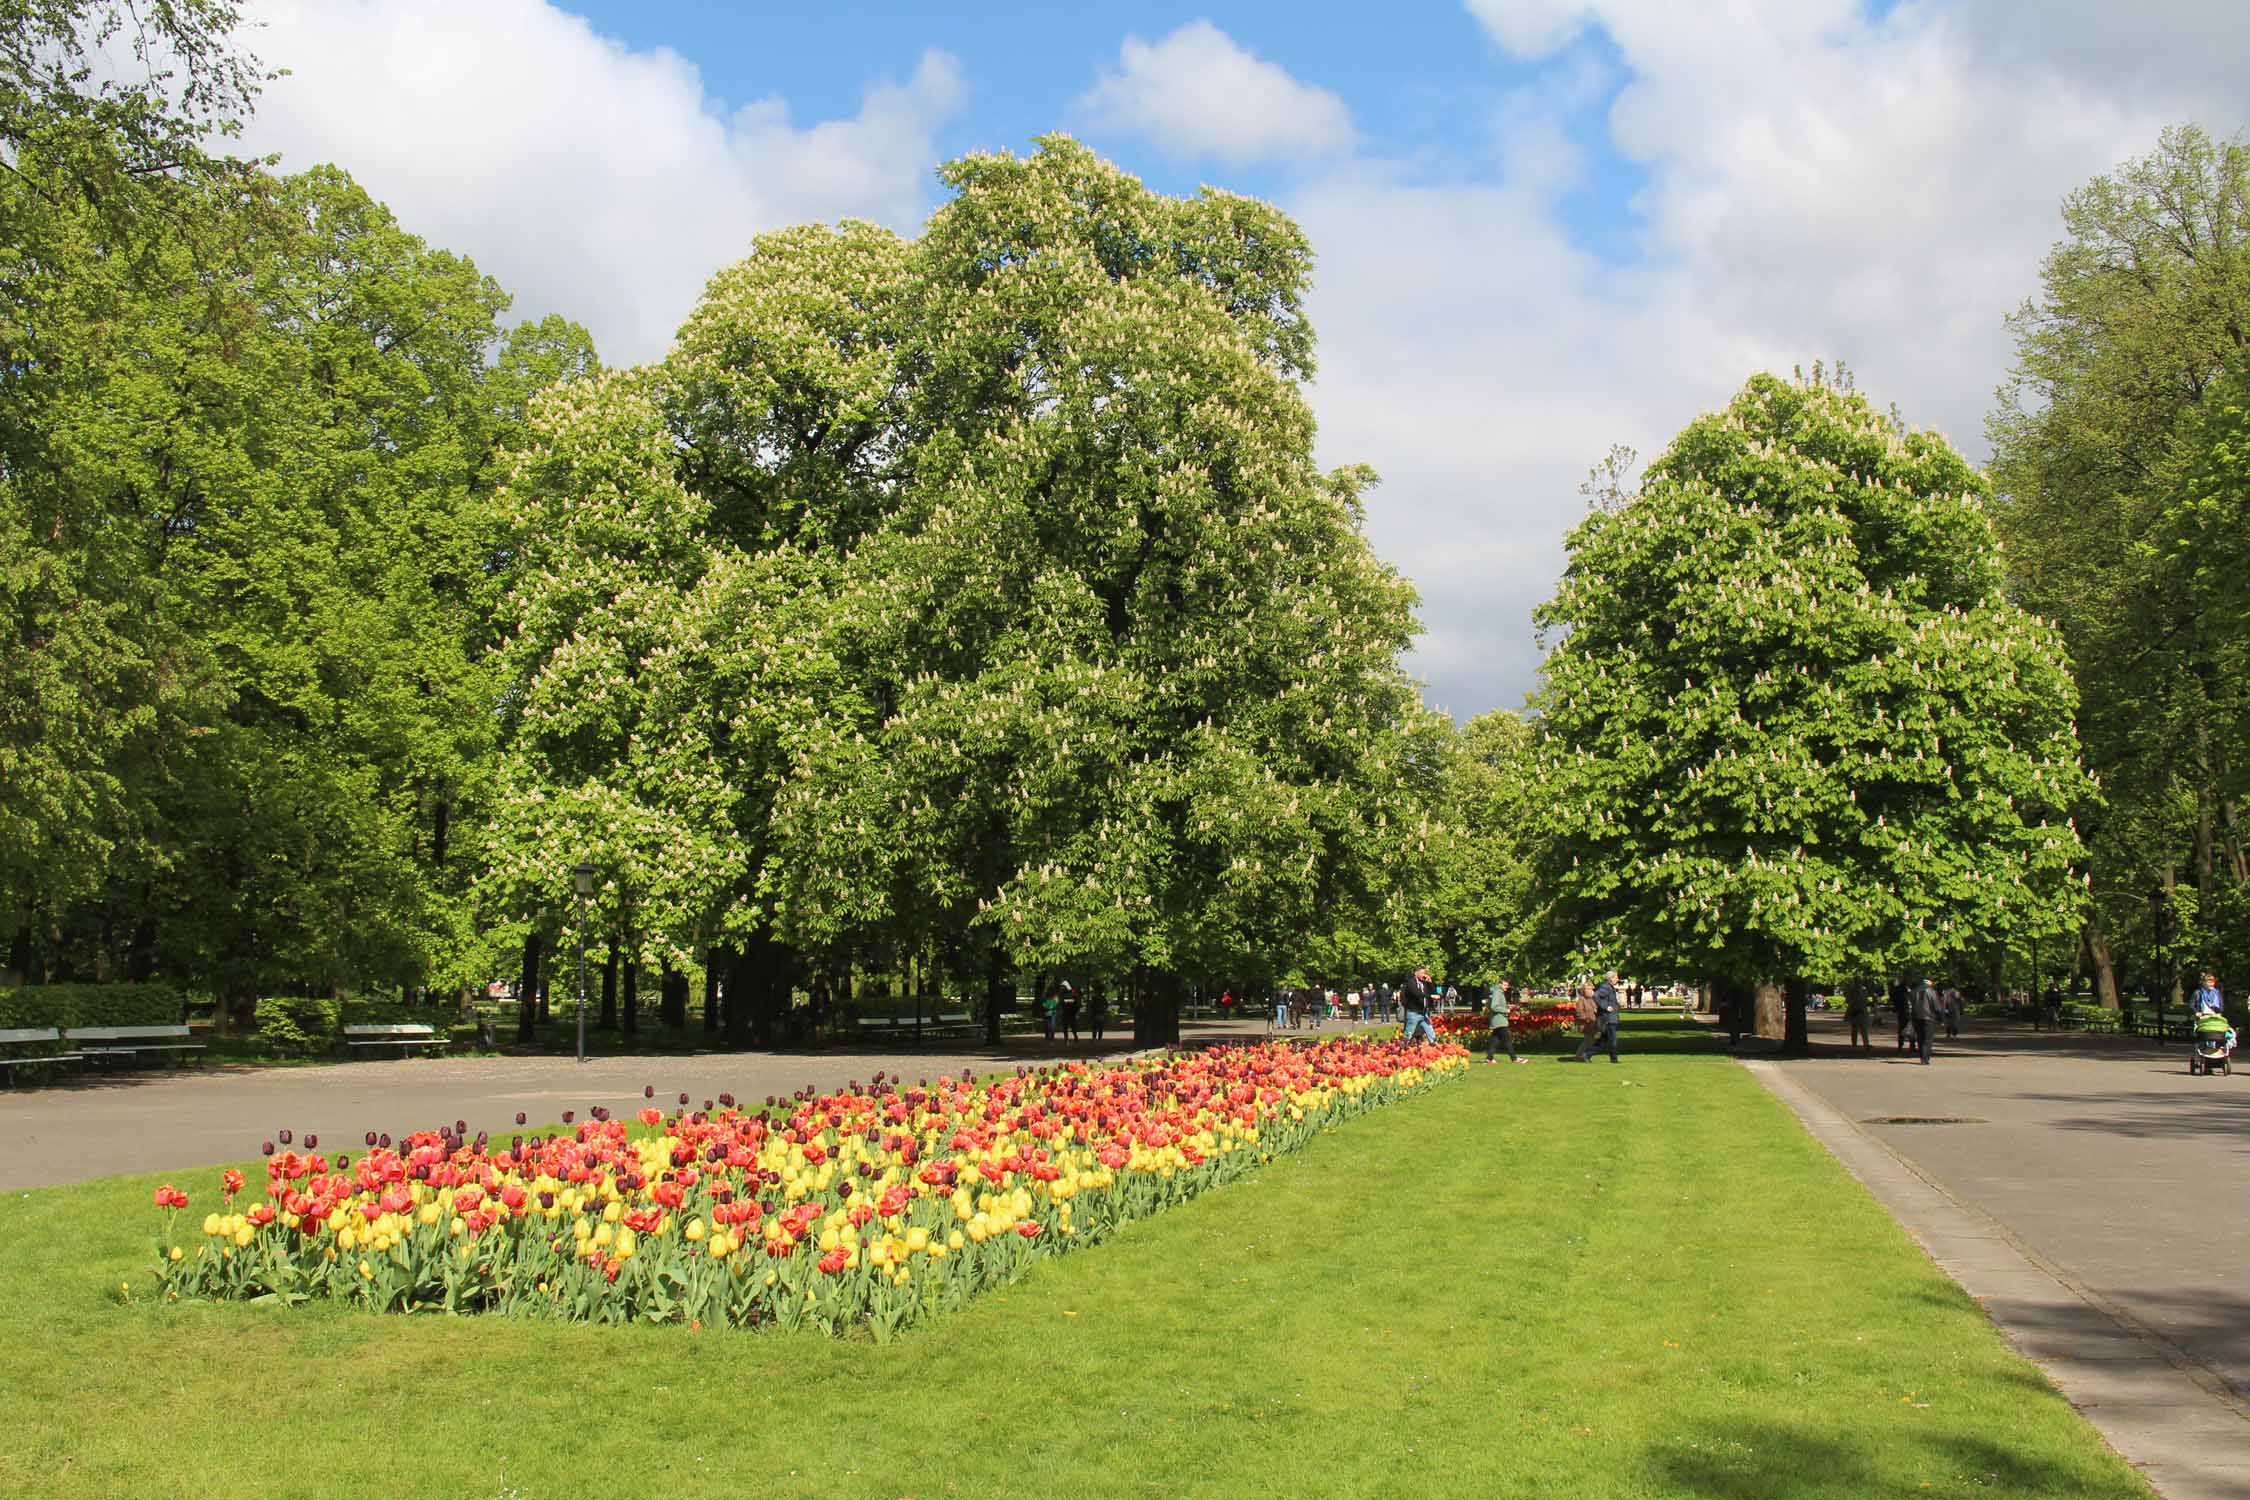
1070 1011
1048 1003
1927 1006
1097 1013
1953 1004
1414 1008
2050 1007
1497 1034
1855 1011
1902 1010
1604 1030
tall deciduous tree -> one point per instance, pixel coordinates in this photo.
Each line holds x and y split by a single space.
2143 315
1793 726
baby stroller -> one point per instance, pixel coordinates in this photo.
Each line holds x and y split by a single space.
2214 1045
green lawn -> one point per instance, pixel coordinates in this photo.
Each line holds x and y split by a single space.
1544 1280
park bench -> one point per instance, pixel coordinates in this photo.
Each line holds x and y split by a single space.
32 1036
404 1035
97 1042
2168 1029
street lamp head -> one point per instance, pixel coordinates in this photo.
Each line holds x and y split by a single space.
582 879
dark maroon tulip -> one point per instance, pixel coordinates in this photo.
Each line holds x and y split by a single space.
343 1163
683 1101
726 1101
569 1115
312 1143
371 1138
266 1149
384 1140
648 1091
460 1127
515 1143
285 1137
520 1120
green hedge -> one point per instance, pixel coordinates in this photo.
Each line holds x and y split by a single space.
68 1005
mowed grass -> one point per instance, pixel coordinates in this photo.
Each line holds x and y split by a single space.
1556 1279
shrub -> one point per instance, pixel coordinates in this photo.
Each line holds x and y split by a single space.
68 1005
299 1027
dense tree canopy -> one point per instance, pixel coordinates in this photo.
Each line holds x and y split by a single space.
1792 725
2109 446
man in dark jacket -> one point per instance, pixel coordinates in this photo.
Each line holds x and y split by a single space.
1414 1004
1902 1010
1604 1033
1927 1009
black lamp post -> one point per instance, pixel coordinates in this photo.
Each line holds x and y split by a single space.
582 880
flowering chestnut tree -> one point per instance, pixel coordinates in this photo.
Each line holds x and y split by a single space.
1792 725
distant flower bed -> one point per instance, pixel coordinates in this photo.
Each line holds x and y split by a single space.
868 1208
1525 1021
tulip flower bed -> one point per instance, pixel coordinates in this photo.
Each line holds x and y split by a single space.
1528 1022
869 1208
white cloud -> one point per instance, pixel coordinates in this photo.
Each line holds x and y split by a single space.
1198 93
1819 181
590 179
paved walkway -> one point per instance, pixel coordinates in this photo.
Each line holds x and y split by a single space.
2094 1198
163 1120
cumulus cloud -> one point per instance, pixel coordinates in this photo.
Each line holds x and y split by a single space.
589 178
1819 181
1198 93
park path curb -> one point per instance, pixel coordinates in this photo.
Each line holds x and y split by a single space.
2175 1422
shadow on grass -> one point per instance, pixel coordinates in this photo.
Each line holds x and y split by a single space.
1761 1460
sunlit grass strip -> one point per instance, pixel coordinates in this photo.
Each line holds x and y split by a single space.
870 1208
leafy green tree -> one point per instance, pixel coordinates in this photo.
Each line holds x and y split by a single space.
2141 319
1483 893
1792 725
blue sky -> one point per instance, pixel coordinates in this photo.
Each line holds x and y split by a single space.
1421 80
1543 226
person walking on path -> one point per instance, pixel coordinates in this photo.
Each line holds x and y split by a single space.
1496 1005
1927 1008
1069 1011
1414 1008
1901 1010
1953 1003
1855 1011
1047 1006
2050 1008
1603 1032
1097 1013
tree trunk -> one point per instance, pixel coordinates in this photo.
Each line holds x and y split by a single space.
999 993
734 999
235 1012
608 1021
546 992
1156 1012
1796 1039
527 989
2172 964
672 998
711 990
1769 1010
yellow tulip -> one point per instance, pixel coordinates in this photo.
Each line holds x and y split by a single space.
580 1230
242 1237
457 1228
953 1241
627 1244
695 1231
610 1212
349 1239
177 1252
429 1214
603 1235
917 1239
210 1223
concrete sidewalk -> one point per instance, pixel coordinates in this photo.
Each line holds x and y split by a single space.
2092 1196
179 1120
